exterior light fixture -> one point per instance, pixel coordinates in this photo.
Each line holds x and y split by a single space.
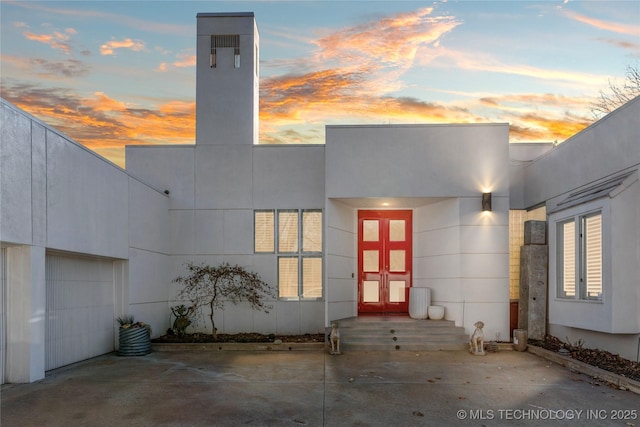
486 202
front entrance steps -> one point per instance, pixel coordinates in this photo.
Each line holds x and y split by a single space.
389 333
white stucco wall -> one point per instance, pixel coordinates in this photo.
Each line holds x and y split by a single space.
521 154
227 97
87 203
608 146
462 255
18 221
213 192
625 259
440 171
417 160
148 269
341 262
606 149
57 195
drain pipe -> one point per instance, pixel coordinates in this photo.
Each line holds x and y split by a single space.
638 352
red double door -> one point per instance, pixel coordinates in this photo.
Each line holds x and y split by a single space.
384 261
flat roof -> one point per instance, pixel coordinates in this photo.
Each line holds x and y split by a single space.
227 14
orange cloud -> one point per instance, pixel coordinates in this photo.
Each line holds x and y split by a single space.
367 63
350 79
355 68
109 47
390 41
104 124
57 40
535 127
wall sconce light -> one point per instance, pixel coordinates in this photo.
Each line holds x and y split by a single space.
486 202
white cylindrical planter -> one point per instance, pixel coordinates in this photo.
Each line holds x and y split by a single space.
419 300
436 312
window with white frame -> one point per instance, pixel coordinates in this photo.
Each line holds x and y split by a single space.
295 237
579 257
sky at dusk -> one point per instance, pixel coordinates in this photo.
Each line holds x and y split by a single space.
116 73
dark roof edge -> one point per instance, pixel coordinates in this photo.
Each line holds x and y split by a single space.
225 14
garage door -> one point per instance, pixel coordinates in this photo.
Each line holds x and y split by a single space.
80 309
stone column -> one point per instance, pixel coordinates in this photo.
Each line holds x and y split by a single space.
534 257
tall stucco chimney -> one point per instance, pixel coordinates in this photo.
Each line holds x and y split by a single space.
227 79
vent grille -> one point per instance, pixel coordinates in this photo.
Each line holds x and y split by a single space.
222 41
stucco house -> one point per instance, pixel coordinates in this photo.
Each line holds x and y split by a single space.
342 229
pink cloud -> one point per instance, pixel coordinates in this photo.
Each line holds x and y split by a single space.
616 27
109 47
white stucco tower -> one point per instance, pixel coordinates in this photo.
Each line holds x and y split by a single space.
227 79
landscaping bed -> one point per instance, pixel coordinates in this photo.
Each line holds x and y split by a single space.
200 338
599 358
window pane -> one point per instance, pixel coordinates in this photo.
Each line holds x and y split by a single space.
288 277
593 255
397 230
312 277
568 235
371 291
312 231
264 230
397 260
370 231
288 231
397 291
370 261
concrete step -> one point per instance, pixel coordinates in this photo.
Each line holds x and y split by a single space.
434 346
409 338
388 333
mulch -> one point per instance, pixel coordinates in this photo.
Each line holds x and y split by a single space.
239 338
599 358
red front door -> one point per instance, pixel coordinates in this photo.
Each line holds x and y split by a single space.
384 261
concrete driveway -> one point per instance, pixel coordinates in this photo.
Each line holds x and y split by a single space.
312 388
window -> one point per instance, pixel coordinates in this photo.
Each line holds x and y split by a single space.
579 257
264 239
298 247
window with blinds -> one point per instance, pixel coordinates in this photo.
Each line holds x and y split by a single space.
287 231
568 259
264 231
592 256
294 236
580 257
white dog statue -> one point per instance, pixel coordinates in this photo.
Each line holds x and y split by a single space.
476 343
334 338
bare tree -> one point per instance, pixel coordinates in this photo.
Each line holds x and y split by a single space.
617 94
207 286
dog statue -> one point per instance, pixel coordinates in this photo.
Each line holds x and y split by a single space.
476 342
334 338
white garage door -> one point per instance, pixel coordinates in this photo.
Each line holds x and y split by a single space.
80 309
